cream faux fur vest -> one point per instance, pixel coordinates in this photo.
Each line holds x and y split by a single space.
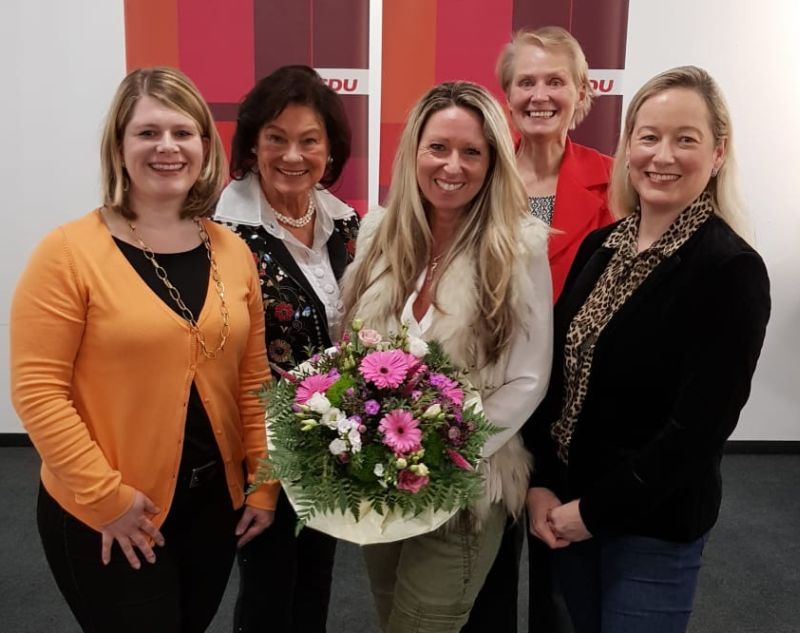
507 470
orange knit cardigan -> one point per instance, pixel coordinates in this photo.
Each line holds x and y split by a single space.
101 370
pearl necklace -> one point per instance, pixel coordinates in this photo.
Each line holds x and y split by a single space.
297 222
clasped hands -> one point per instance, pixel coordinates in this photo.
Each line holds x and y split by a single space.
135 529
556 524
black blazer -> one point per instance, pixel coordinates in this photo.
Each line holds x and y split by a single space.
296 322
670 375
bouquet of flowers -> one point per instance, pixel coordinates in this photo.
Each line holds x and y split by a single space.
375 434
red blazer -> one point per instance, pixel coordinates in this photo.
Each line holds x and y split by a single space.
581 206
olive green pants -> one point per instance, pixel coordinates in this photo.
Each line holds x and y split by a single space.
427 584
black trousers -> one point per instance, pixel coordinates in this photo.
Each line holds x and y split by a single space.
495 608
285 580
179 593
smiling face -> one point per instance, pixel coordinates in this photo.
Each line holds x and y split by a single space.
543 94
292 152
672 152
452 159
162 151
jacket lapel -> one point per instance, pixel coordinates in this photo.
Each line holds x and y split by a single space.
577 205
337 253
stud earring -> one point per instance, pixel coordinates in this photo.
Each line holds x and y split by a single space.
714 172
330 160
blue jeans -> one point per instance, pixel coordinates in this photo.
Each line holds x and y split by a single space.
629 584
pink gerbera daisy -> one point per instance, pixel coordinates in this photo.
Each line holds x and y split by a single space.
400 431
384 369
313 384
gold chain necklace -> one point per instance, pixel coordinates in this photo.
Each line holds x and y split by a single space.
176 295
434 264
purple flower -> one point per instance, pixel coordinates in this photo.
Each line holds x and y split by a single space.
416 395
442 382
371 407
454 433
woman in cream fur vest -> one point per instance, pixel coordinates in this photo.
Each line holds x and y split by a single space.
456 256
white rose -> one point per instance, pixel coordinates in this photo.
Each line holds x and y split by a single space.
419 469
318 403
369 338
379 470
332 417
344 425
417 347
337 447
432 411
355 440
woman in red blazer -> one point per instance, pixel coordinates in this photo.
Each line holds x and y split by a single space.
545 77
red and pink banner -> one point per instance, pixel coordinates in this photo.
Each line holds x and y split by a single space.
225 47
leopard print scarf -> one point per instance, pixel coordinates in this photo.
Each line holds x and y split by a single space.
626 271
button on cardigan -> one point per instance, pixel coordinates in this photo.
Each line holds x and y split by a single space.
101 371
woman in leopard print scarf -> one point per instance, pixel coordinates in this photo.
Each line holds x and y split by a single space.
657 334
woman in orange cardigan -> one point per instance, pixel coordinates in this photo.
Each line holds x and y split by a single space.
545 78
137 345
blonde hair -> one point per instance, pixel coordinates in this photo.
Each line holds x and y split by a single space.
552 39
486 233
176 91
723 187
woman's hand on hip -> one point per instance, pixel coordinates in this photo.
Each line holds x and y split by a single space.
253 522
133 529
566 522
540 502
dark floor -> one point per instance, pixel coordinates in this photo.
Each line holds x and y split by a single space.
750 582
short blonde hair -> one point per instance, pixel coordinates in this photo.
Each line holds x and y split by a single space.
552 39
175 90
487 231
723 187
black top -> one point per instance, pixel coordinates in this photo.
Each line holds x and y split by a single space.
670 375
189 273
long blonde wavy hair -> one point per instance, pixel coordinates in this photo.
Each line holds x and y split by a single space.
486 232
723 187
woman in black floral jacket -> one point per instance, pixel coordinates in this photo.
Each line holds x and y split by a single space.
291 142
